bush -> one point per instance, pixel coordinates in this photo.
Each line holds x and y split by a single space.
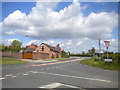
52 56
64 54
114 57
91 62
57 56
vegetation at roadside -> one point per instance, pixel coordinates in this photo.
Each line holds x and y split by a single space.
14 47
65 54
96 62
12 61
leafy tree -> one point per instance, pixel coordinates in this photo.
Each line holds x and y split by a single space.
83 52
89 51
93 50
64 54
2 47
16 46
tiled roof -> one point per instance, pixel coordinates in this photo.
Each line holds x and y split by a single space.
51 47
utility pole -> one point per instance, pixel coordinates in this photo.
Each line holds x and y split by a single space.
99 48
99 43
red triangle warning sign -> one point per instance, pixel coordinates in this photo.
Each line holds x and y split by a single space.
107 43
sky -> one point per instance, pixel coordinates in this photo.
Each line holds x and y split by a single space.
76 26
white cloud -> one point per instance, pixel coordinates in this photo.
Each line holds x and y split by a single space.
9 41
74 31
85 6
45 23
79 43
37 42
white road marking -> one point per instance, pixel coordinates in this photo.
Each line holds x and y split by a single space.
35 72
56 85
70 86
52 85
76 77
2 78
25 74
8 75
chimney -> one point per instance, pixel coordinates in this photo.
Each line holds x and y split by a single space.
57 45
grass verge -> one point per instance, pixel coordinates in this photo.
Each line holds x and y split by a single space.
101 64
12 61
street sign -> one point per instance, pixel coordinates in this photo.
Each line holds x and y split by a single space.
107 43
108 60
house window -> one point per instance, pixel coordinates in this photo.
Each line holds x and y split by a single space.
42 47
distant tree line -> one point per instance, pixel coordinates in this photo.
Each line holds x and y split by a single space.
14 47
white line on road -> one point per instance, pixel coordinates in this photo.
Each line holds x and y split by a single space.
70 86
8 75
2 78
76 77
56 85
35 72
25 74
52 85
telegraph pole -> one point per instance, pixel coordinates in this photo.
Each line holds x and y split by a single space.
99 44
99 48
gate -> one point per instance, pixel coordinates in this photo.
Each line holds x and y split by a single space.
27 56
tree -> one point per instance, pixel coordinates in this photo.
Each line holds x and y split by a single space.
64 54
89 51
2 47
16 46
83 52
93 50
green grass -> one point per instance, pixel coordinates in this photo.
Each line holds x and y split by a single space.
57 59
101 64
12 61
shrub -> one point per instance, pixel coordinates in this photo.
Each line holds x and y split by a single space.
52 56
57 56
64 54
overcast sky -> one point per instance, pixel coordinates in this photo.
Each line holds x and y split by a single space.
75 26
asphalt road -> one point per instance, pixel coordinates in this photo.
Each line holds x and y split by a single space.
64 74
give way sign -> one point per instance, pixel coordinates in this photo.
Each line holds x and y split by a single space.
107 43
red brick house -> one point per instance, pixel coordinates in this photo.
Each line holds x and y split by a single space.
31 48
43 51
53 51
